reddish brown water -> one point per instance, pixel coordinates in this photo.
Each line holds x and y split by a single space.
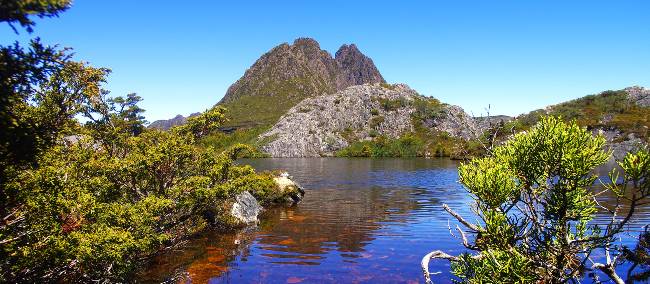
362 221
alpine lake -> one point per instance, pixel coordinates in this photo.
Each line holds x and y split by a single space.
361 221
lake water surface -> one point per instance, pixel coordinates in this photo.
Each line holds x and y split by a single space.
361 221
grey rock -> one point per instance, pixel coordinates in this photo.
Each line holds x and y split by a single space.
457 123
288 185
322 125
639 95
245 209
618 145
620 149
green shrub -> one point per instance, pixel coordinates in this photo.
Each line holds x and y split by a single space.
392 105
383 146
534 202
427 109
376 122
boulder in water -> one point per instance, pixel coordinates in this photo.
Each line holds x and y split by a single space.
245 208
292 190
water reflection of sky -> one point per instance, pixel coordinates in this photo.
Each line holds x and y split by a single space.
362 221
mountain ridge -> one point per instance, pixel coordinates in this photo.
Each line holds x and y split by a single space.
289 73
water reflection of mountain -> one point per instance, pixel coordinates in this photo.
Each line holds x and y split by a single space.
362 220
333 220
357 219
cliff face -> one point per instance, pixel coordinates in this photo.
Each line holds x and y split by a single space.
287 74
354 68
322 125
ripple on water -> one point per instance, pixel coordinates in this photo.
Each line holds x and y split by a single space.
362 221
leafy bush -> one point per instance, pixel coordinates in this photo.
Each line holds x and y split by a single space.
427 109
249 136
382 146
534 202
392 105
84 202
376 122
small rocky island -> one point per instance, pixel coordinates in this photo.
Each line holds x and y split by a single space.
245 208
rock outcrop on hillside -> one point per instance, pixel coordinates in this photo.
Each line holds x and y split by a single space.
621 116
322 125
639 95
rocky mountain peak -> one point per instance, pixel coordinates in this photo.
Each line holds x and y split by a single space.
356 68
166 124
347 49
289 73
306 42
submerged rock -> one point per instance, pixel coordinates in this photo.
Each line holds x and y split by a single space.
245 209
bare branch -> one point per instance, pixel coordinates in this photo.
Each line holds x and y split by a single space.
438 254
608 269
460 218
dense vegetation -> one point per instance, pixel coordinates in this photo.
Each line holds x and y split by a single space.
88 201
423 141
608 110
534 200
251 115
221 140
383 146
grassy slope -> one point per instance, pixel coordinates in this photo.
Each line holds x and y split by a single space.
607 110
253 114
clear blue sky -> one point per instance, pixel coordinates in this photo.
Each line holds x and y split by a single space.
181 56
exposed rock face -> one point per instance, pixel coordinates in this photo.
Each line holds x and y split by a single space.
166 124
621 148
639 95
289 73
322 125
354 68
245 208
304 61
457 123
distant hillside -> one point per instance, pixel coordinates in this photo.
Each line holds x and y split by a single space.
166 124
623 116
287 74
370 120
